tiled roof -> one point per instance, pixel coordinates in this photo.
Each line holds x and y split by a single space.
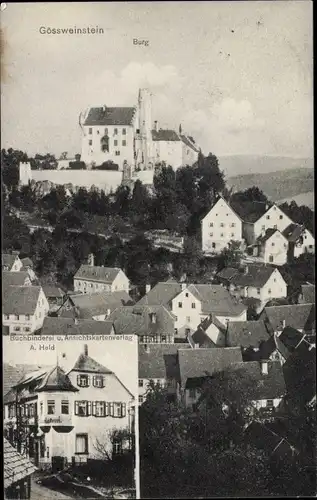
12 374
52 291
308 293
217 300
138 320
159 361
94 304
85 363
17 278
56 380
246 333
70 326
165 135
298 316
97 273
110 116
20 299
8 260
265 386
27 262
255 275
189 142
201 337
267 235
195 363
161 294
291 338
227 274
250 211
16 466
293 232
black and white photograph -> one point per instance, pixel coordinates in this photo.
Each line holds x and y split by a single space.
69 417
157 192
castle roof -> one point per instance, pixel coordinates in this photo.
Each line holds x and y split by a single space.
110 116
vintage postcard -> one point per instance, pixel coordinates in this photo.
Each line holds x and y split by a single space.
158 249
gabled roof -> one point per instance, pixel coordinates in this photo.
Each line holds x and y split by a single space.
265 386
268 234
298 316
89 305
196 363
12 374
246 333
53 291
293 232
159 361
70 326
250 211
189 141
139 320
201 336
85 363
161 294
97 273
220 197
255 275
308 294
165 135
215 299
16 279
16 466
20 299
291 338
8 259
110 116
27 262
56 380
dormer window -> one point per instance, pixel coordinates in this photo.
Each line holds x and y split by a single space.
83 380
153 318
98 381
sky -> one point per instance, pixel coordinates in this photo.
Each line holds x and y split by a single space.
119 356
238 76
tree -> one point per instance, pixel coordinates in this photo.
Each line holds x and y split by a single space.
231 255
249 195
10 161
105 445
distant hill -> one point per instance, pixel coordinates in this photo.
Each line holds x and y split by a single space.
278 185
302 199
236 165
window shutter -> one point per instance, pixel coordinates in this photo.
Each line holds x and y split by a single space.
94 381
123 410
111 407
76 407
94 408
88 381
78 380
106 409
88 403
102 381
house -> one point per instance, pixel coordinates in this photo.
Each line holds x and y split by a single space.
17 471
28 266
152 324
97 306
210 333
11 262
158 363
300 240
249 335
24 308
307 295
220 226
90 279
192 303
258 217
271 247
55 296
256 281
65 412
197 364
18 278
301 317
70 326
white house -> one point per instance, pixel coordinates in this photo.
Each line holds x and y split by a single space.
220 226
300 240
272 247
90 279
257 281
11 262
24 309
72 411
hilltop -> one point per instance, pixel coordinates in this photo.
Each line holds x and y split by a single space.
237 165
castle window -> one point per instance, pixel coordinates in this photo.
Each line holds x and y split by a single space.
90 131
232 235
137 131
124 131
267 217
115 132
221 235
213 245
193 305
124 143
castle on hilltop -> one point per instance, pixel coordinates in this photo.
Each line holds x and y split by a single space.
128 137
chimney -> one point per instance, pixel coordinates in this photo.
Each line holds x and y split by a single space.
156 126
86 349
91 260
264 367
147 288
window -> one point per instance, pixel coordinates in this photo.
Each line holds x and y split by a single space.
164 339
269 291
263 228
221 235
269 403
124 131
99 408
281 217
106 131
186 294
117 153
268 217
193 305
65 407
27 317
275 226
232 235
17 316
6 316
81 444
16 328
119 410
233 224
140 382
83 380
90 142
50 407
211 234
273 244
41 407
192 393
213 245
271 258
258 291
310 246
11 411
222 225
90 131
137 131
211 224
124 143
188 319
115 131
117 447
98 132
115 142
180 305
83 408
140 399
98 381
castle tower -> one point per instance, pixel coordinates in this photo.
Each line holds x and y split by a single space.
25 174
145 125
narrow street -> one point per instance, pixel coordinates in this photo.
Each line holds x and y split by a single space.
39 492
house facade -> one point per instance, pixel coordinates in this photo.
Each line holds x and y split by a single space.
220 226
92 279
272 247
11 262
66 414
17 473
300 240
273 218
24 309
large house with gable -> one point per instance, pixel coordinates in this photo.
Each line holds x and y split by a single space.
65 412
90 279
11 262
24 309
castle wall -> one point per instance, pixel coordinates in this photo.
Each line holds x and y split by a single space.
102 179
